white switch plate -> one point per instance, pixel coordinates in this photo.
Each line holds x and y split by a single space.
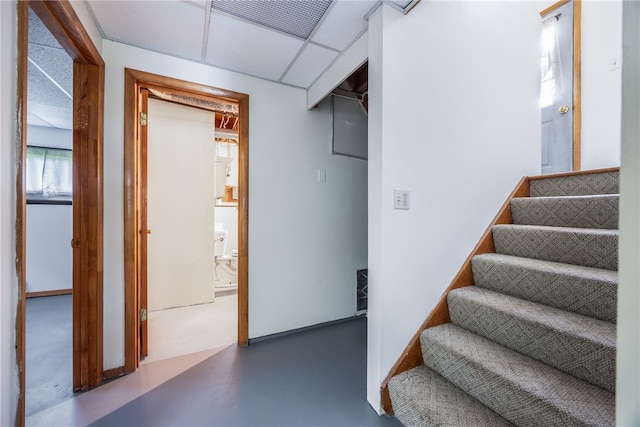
322 175
401 199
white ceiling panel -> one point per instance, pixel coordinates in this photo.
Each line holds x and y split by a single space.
343 23
310 64
171 27
240 46
53 116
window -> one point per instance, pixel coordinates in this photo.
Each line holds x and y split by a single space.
49 175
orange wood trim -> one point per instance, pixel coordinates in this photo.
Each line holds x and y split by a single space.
112 374
553 7
243 223
134 81
49 293
412 354
21 206
577 85
66 27
88 102
131 226
574 173
143 100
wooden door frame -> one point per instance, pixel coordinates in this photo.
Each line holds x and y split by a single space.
134 81
577 76
88 115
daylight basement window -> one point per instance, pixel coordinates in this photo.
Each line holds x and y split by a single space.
49 175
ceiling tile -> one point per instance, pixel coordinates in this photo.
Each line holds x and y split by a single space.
239 46
58 117
297 18
55 62
343 23
312 61
170 27
42 90
38 33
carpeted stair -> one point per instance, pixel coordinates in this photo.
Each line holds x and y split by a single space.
533 342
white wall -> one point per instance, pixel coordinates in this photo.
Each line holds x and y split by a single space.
628 371
454 118
8 283
49 227
318 234
49 253
601 44
601 85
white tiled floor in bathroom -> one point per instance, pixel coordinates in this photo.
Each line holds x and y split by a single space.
185 330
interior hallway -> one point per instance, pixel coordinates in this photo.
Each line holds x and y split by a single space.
311 378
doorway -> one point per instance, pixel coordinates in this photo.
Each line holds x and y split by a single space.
560 87
139 86
88 87
184 312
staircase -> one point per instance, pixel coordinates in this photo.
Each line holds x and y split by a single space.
533 343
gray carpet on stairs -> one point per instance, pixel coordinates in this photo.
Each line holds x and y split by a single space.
580 246
600 211
584 290
578 345
520 389
534 342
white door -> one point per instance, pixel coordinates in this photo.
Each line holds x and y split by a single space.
557 90
180 204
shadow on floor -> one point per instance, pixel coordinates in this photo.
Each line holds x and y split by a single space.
311 378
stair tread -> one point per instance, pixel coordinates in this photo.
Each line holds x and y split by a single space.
585 290
520 389
576 344
582 184
592 211
423 398
581 246
574 270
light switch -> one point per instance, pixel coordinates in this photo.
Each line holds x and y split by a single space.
401 199
322 175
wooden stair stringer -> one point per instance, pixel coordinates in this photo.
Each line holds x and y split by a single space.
412 354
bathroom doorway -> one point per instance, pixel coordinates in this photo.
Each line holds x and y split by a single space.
140 89
186 244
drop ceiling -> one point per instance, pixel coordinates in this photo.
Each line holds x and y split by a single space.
291 42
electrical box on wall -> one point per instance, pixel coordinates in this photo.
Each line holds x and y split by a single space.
401 199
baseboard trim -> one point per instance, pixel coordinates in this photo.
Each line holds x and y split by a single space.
306 328
49 293
112 374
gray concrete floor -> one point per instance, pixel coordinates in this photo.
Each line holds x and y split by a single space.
311 378
48 370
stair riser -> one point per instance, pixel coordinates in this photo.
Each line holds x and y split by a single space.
509 383
589 296
526 332
576 185
590 248
585 212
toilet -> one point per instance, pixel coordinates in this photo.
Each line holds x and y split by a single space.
226 265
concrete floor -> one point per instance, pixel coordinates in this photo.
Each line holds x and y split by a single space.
311 378
48 370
